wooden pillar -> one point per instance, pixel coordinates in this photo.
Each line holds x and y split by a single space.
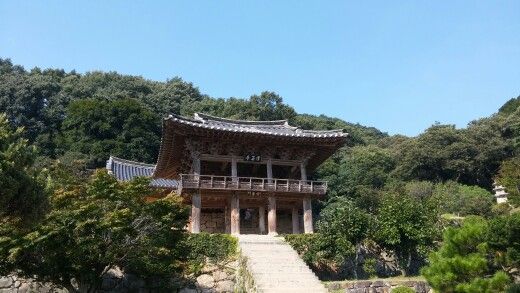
235 215
195 164
195 213
307 216
295 221
234 172
261 219
303 171
271 216
227 218
269 170
195 198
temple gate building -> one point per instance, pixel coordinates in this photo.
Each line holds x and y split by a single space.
248 177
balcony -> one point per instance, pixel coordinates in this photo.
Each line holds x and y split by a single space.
211 182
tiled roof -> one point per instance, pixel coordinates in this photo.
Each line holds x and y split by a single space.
277 127
125 170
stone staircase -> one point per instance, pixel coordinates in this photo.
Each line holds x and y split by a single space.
276 267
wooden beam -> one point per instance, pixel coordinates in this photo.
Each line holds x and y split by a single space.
228 158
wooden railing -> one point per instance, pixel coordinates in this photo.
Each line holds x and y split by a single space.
192 181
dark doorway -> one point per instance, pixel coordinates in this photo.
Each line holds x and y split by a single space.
249 221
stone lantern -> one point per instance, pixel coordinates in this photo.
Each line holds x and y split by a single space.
500 193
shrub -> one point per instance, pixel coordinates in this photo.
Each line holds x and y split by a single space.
213 247
369 266
310 247
402 289
514 288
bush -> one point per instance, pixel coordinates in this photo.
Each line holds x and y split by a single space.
402 289
325 256
369 266
213 247
311 247
514 288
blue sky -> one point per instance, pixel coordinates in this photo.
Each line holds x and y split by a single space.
396 65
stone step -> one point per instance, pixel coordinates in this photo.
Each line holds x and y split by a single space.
284 279
266 247
289 269
261 263
295 280
277 252
276 267
275 261
315 289
284 274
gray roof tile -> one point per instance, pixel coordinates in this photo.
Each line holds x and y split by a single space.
125 170
276 127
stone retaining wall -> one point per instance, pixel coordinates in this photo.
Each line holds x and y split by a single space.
214 279
377 286
14 284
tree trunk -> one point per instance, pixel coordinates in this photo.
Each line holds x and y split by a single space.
408 263
356 262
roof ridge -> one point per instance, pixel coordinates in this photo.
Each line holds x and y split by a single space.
130 162
182 117
324 131
202 116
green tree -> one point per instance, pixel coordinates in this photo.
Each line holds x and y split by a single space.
510 106
509 176
440 153
463 200
470 156
344 227
100 128
504 240
175 96
22 195
358 134
32 100
365 166
266 106
96 227
406 225
462 262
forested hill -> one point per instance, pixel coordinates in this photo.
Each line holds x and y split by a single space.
97 114
90 113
